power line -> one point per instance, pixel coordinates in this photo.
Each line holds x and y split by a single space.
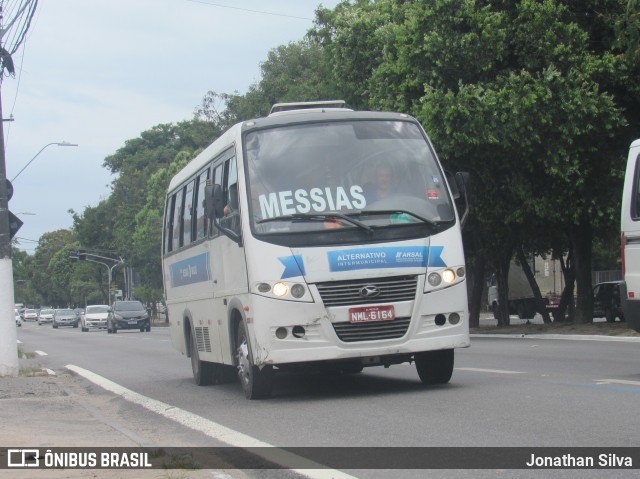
249 10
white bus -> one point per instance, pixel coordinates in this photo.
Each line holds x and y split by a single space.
317 237
630 239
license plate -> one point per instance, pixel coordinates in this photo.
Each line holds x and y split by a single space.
133 321
371 313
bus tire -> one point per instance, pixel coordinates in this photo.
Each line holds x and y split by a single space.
204 373
256 383
435 367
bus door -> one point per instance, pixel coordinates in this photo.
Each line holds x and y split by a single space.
228 264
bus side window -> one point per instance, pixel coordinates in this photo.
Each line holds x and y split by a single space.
231 219
177 219
168 227
217 180
201 218
635 203
188 213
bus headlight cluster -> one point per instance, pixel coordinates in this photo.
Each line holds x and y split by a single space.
445 277
283 290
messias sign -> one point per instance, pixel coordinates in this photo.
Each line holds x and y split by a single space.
316 199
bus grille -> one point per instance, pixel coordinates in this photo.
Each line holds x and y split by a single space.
203 343
392 289
372 331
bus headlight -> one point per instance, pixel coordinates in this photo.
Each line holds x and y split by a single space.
448 276
280 289
297 291
444 278
283 290
434 279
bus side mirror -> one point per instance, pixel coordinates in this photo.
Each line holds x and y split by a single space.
213 201
463 183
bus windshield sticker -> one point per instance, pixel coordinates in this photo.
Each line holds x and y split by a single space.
315 199
385 257
190 270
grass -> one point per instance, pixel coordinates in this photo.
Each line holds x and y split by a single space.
597 328
23 355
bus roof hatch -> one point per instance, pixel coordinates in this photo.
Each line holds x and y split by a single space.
306 105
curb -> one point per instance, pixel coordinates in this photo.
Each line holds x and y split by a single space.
569 337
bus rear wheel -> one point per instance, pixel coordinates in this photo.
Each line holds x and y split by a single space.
256 383
204 373
435 367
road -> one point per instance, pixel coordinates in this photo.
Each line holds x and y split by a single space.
504 392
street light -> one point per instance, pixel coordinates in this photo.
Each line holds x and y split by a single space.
83 255
59 143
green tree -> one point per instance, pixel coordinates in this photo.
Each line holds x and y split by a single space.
512 91
43 265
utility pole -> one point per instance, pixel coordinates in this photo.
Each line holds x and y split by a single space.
19 22
8 335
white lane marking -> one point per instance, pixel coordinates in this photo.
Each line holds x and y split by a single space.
41 353
624 382
494 371
210 428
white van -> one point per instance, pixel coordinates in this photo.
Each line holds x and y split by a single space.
630 238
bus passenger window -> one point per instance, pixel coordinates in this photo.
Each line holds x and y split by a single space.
201 217
168 227
177 220
635 204
186 217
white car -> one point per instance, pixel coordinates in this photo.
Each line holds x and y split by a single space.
45 316
30 314
95 316
18 320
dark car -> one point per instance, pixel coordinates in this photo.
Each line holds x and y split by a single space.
606 301
65 317
128 315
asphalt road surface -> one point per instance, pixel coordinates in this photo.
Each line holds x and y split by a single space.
504 393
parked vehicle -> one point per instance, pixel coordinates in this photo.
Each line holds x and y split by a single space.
45 316
65 317
31 314
606 301
630 239
128 315
521 299
95 316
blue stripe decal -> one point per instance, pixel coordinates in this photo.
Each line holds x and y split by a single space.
435 261
385 257
190 270
293 266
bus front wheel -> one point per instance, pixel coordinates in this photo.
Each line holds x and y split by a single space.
435 367
256 383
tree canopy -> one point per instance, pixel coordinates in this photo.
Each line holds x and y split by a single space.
537 99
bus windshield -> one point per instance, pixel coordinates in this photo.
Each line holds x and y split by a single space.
361 175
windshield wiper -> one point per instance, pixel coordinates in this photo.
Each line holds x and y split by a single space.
319 217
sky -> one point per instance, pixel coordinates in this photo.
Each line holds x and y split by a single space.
97 73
